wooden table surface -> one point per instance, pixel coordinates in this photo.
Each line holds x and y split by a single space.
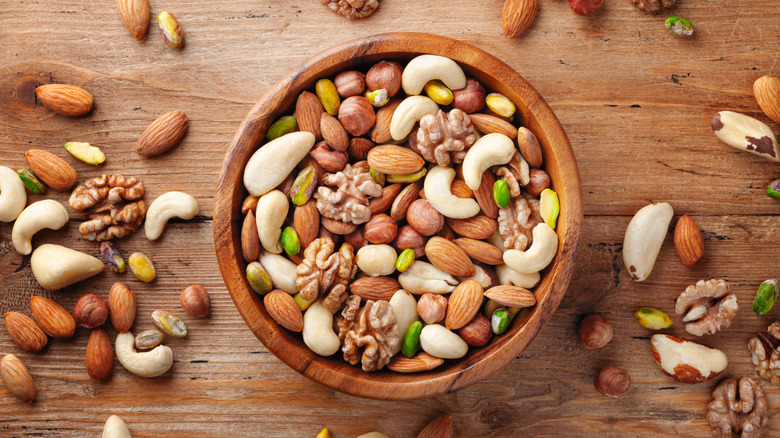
636 104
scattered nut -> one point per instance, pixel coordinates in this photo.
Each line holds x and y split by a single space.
113 256
142 267
169 323
644 236
595 332
765 297
613 382
686 361
148 339
148 364
738 409
195 300
699 303
165 207
90 311
653 319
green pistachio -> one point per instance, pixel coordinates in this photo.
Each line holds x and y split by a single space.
304 186
85 152
113 256
290 241
411 342
438 92
501 193
499 322
379 178
489 307
549 207
773 190
33 184
302 303
405 259
169 323
328 95
284 125
408 178
765 297
258 279
653 319
679 26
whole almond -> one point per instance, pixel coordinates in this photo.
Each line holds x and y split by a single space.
374 288
250 241
90 311
25 332
511 296
308 113
461 190
282 308
306 222
195 300
16 378
767 92
463 304
517 15
484 195
51 169
383 202
381 131
481 251
100 355
163 134
441 427
529 147
476 227
52 318
121 303
488 124
688 241
359 147
421 362
394 160
404 199
334 133
135 16
337 227
68 100
448 257
477 332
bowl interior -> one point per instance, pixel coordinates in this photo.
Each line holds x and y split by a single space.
454 374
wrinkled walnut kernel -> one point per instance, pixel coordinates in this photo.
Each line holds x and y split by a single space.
349 202
517 220
373 327
708 306
114 206
352 9
444 133
737 409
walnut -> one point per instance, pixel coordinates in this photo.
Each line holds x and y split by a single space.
506 174
444 133
349 202
731 412
764 351
517 220
652 5
373 327
324 272
353 9
708 306
113 204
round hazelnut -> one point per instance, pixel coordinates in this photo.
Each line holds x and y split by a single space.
385 74
195 300
359 147
357 115
356 238
329 159
613 382
470 98
90 311
408 237
424 218
432 307
595 332
380 229
477 332
585 7
540 180
350 83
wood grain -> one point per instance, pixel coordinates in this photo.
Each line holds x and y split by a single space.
634 101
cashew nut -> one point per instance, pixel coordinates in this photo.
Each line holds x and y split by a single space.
373 435
12 195
437 341
318 332
37 216
644 236
405 311
166 206
423 277
409 112
490 150
116 428
55 266
480 276
271 164
147 364
376 260
270 214
507 275
538 256
281 271
438 191
425 68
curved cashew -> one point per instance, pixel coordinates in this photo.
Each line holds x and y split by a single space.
490 150
147 364
423 277
538 256
281 270
480 276
37 216
116 428
376 260
438 191
271 164
409 112
55 266
318 332
12 195
270 214
405 311
507 275
644 236
425 68
166 206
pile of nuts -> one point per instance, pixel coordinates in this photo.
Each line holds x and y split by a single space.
421 200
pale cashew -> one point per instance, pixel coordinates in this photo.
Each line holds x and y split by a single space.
409 112
270 214
147 364
480 276
425 68
405 311
116 428
437 341
490 150
376 260
271 164
166 206
507 275
373 435
55 266
644 236
423 277
12 195
438 191
37 216
538 256
318 332
281 271
496 240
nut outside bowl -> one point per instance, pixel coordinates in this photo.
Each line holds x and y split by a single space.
480 363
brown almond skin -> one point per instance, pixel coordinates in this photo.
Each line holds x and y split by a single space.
359 147
688 241
282 308
463 304
68 100
481 251
511 296
163 134
308 113
16 378
517 16
382 203
337 227
122 306
374 288
404 199
306 222
477 227
381 132
195 300
250 241
394 160
441 427
100 355
448 257
488 124
484 195
90 311
52 318
51 169
135 16
422 362
25 332
529 147
334 133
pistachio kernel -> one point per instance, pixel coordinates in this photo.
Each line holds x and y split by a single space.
171 30
549 207
148 339
679 26
773 189
33 184
283 126
301 302
142 267
407 178
379 178
501 193
405 259
169 323
85 152
438 92
653 319
304 186
258 279
290 241
500 104
499 322
113 256
377 98
411 341
765 297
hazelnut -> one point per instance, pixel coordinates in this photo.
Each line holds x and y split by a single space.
356 238
477 332
329 159
195 300
432 308
359 147
613 382
90 311
385 74
540 180
424 218
470 98
408 237
595 332
350 83
380 229
585 7
357 115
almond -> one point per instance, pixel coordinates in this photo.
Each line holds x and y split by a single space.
441 427
517 15
375 288
52 318
16 378
511 296
53 170
359 147
135 16
381 131
460 189
100 355
416 364
477 332
121 303
163 134
25 332
250 241
463 304
333 132
282 308
306 222
484 195
448 257
394 160
404 199
382 203
337 227
476 227
767 92
488 124
481 251
308 113
68 100
688 241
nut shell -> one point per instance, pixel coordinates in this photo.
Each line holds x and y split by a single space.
90 311
195 300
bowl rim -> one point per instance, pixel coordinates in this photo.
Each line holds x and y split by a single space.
337 374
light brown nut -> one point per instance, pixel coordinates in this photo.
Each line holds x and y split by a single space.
121 304
460 189
767 92
595 332
350 83
282 308
382 203
16 378
359 147
250 203
441 427
356 239
477 332
463 304
357 115
334 133
481 251
613 382
408 237
529 147
374 288
90 311
469 99
381 132
169 323
250 241
404 199
540 180
517 15
68 100
424 218
306 222
686 361
25 332
432 307
195 300
163 134
484 195
385 75
511 296
422 362
148 339
336 226
52 318
51 169
448 257
329 159
688 241
394 160
487 124
308 113
135 15
476 227
380 229
100 355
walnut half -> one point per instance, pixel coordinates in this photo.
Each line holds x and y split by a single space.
764 351
708 306
374 327
737 408
352 9
114 206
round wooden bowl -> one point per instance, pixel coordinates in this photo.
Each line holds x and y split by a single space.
454 374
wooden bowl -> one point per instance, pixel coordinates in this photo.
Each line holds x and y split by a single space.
454 374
